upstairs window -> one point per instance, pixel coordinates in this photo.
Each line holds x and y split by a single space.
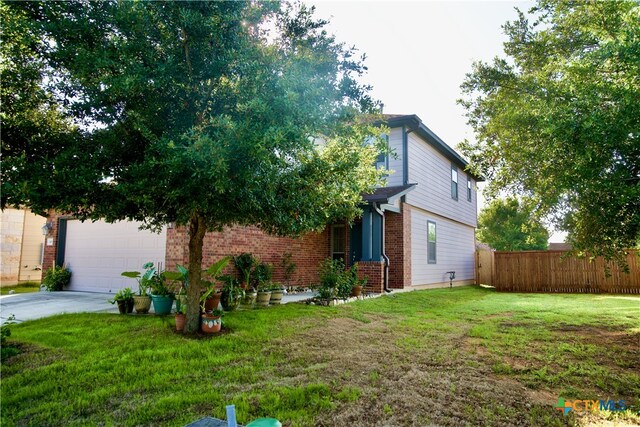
454 182
469 189
431 242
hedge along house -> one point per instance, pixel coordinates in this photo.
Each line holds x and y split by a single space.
412 233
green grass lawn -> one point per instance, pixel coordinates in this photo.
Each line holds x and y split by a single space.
22 288
466 356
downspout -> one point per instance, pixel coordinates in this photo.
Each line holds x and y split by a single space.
384 255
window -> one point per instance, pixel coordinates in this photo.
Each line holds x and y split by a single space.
454 182
338 241
431 242
468 188
381 161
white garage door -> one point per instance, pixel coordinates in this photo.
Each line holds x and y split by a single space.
97 252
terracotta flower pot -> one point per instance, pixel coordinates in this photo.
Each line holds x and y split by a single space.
142 303
180 319
212 302
356 291
211 324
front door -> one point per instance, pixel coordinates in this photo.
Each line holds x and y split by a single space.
356 242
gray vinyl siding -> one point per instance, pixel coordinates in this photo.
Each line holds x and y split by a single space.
395 162
455 246
432 172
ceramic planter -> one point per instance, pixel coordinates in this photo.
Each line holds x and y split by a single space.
276 297
142 303
228 303
249 299
162 304
263 298
211 324
125 306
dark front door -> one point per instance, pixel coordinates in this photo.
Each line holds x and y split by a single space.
355 242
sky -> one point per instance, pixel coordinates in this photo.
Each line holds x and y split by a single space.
418 53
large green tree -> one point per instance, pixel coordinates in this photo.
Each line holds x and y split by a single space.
558 119
202 113
507 225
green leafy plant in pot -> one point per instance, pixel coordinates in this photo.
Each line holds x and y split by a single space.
232 293
210 297
56 278
262 282
161 294
124 299
142 300
245 264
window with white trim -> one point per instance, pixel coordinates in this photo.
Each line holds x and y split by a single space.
454 182
469 188
431 242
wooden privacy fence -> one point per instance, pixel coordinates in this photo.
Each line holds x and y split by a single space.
553 271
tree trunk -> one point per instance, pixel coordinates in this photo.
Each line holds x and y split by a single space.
197 230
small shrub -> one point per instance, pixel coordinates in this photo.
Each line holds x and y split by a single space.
56 278
6 350
336 281
262 275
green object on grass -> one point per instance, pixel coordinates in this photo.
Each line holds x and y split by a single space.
265 422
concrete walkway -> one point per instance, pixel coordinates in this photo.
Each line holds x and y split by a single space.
36 305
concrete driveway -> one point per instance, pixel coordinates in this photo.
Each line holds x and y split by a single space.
36 305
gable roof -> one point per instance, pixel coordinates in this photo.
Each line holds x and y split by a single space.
413 123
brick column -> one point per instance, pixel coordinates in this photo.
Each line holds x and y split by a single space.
398 247
373 272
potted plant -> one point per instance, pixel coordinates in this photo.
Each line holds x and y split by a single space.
245 263
182 276
161 295
124 299
181 310
276 294
232 293
56 278
262 283
142 301
211 322
211 295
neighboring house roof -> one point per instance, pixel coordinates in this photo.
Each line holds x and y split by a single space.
386 195
413 123
560 247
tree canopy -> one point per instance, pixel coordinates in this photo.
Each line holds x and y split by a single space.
558 119
204 114
507 225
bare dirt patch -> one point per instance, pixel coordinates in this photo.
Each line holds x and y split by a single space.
439 382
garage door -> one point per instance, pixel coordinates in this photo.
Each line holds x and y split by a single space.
97 252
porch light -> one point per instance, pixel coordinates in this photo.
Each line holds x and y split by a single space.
46 228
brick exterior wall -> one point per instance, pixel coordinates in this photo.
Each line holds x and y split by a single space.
373 272
398 247
50 252
307 251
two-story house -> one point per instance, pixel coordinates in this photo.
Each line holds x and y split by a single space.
412 234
